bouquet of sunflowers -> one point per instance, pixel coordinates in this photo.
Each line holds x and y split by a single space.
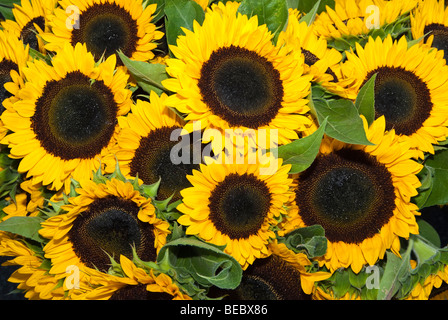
204 150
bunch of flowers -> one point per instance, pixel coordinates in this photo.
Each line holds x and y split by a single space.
180 149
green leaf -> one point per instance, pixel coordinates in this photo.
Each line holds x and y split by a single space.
438 165
273 13
344 123
358 280
311 15
27 227
307 5
428 232
10 3
302 152
365 101
181 14
396 270
293 4
426 179
312 239
341 283
207 264
149 76
6 13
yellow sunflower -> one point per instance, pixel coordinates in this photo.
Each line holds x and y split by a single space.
361 196
322 63
270 278
31 19
359 17
411 88
235 205
321 294
430 19
134 284
228 74
299 261
31 277
105 219
427 288
65 120
147 138
13 58
105 26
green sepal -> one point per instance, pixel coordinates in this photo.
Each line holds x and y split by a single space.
207 264
310 240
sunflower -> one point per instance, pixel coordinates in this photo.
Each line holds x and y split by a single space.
280 276
65 120
321 62
106 26
32 278
105 219
430 19
228 74
134 283
235 205
321 294
13 58
270 278
145 145
31 20
361 196
430 287
411 88
355 17
300 262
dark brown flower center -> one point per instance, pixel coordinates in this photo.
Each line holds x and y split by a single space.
440 33
110 227
239 205
28 35
349 193
153 160
403 99
75 118
241 87
106 28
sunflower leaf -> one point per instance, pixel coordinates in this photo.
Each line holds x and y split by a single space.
205 263
308 5
438 166
397 270
428 232
311 239
311 15
27 227
6 9
424 191
344 123
302 152
273 13
149 76
181 14
365 101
